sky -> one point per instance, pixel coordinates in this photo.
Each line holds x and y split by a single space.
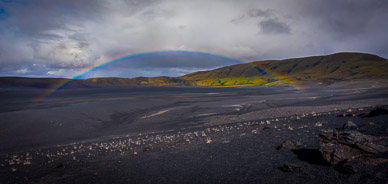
52 38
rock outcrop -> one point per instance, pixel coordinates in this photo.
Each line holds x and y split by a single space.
286 145
341 146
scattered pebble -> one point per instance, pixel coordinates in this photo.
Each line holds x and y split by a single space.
208 140
318 124
146 149
145 142
368 124
27 162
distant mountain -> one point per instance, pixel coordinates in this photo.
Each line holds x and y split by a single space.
307 70
340 66
6 82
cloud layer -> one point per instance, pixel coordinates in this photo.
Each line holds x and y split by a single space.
58 38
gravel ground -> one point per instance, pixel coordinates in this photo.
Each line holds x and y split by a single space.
238 146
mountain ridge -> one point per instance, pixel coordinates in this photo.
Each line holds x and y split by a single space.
329 67
326 69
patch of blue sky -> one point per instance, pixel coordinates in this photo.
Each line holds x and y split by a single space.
3 14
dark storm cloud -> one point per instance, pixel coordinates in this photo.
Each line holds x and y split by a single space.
353 25
51 30
346 18
32 18
273 26
56 38
259 13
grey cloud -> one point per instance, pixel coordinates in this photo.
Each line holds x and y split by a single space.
346 18
260 13
55 38
63 52
237 19
178 59
354 25
273 26
253 13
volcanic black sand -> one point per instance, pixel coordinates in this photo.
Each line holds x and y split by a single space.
182 135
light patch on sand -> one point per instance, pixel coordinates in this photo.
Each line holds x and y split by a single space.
155 114
238 107
206 114
213 93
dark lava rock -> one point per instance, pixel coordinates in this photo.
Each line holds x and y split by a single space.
59 166
374 161
345 114
376 112
266 127
367 124
312 156
286 145
338 146
348 125
289 167
347 168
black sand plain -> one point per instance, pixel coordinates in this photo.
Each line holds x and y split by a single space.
182 135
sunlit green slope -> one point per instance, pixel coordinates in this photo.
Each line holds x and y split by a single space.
335 67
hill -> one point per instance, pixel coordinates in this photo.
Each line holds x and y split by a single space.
308 70
330 68
6 82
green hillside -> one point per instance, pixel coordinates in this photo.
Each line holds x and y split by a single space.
307 70
340 66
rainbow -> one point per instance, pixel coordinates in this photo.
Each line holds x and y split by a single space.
98 65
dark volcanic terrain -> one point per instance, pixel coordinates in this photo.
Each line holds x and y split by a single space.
185 135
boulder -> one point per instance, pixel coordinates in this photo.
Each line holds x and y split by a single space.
286 145
339 146
266 127
348 125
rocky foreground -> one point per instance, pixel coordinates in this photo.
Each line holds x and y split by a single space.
340 146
